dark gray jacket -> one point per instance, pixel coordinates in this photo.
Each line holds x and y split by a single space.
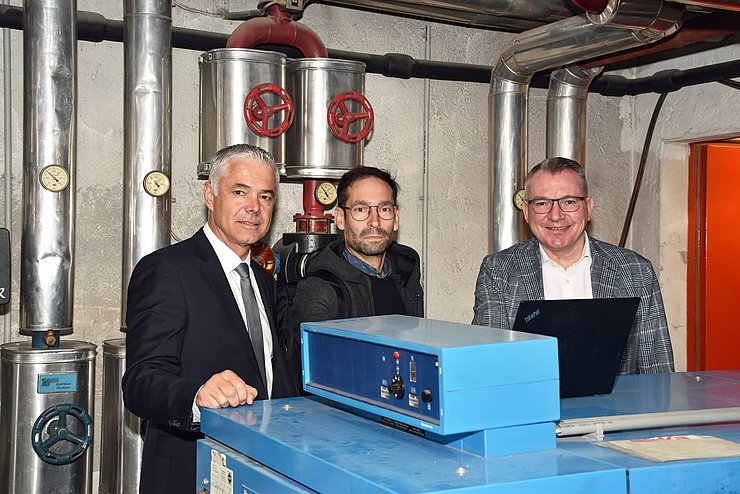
316 300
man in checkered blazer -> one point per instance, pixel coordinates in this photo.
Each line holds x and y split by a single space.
563 262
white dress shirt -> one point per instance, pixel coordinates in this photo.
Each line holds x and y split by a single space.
229 262
574 282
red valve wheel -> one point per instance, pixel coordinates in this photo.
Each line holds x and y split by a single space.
341 118
257 111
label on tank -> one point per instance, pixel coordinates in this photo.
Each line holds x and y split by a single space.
57 383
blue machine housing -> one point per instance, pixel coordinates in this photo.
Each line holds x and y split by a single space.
442 377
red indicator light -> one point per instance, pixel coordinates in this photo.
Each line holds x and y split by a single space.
396 355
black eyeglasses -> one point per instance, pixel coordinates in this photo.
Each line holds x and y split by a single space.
567 204
361 212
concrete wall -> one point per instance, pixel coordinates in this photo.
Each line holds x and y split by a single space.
457 168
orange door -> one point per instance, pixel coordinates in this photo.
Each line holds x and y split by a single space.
713 325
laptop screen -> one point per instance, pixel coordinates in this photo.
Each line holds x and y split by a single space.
591 333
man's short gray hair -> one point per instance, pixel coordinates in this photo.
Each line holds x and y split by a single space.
222 158
554 166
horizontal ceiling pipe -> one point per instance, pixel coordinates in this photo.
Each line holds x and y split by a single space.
700 28
501 15
94 27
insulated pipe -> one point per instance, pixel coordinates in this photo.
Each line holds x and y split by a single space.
147 130
503 15
49 138
277 28
8 158
622 25
566 112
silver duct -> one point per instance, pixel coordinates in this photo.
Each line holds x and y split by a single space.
510 15
147 130
622 25
566 112
49 161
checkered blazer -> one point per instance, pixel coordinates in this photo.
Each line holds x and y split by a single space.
515 274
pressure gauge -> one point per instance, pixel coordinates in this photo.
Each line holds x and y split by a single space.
54 178
156 183
326 193
519 199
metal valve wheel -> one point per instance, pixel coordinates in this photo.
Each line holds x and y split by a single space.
257 110
52 431
341 118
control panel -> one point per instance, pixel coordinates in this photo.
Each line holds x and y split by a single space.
392 377
438 376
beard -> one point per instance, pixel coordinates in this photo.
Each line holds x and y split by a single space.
370 248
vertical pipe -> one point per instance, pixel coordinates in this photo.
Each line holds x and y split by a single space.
49 138
566 112
425 187
8 158
147 130
507 135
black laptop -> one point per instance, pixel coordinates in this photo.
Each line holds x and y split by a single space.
591 333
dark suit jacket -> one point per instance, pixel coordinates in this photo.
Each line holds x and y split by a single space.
184 326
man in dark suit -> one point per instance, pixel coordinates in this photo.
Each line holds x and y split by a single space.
562 261
190 335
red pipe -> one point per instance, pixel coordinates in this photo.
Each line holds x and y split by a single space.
591 6
277 29
310 205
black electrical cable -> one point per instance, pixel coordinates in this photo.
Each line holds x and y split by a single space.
729 83
641 169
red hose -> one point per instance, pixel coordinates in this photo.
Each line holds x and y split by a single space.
277 29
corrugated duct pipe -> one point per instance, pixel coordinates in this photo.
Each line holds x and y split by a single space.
566 112
622 25
49 158
147 131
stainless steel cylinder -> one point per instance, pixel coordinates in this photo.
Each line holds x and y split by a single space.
47 409
228 78
321 87
49 161
121 431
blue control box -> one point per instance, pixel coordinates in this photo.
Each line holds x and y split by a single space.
442 377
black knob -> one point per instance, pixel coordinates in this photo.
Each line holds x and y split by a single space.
397 387
426 395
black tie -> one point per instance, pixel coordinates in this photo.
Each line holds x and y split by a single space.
253 318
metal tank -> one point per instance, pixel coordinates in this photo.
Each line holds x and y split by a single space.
120 465
332 117
243 100
46 425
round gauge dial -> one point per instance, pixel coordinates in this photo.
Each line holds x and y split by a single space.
54 178
519 199
326 193
156 183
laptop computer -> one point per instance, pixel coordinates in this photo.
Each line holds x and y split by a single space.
591 333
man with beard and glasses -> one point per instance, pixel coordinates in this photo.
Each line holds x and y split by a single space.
563 262
366 273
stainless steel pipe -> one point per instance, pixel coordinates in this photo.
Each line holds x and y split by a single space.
147 130
566 112
49 162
